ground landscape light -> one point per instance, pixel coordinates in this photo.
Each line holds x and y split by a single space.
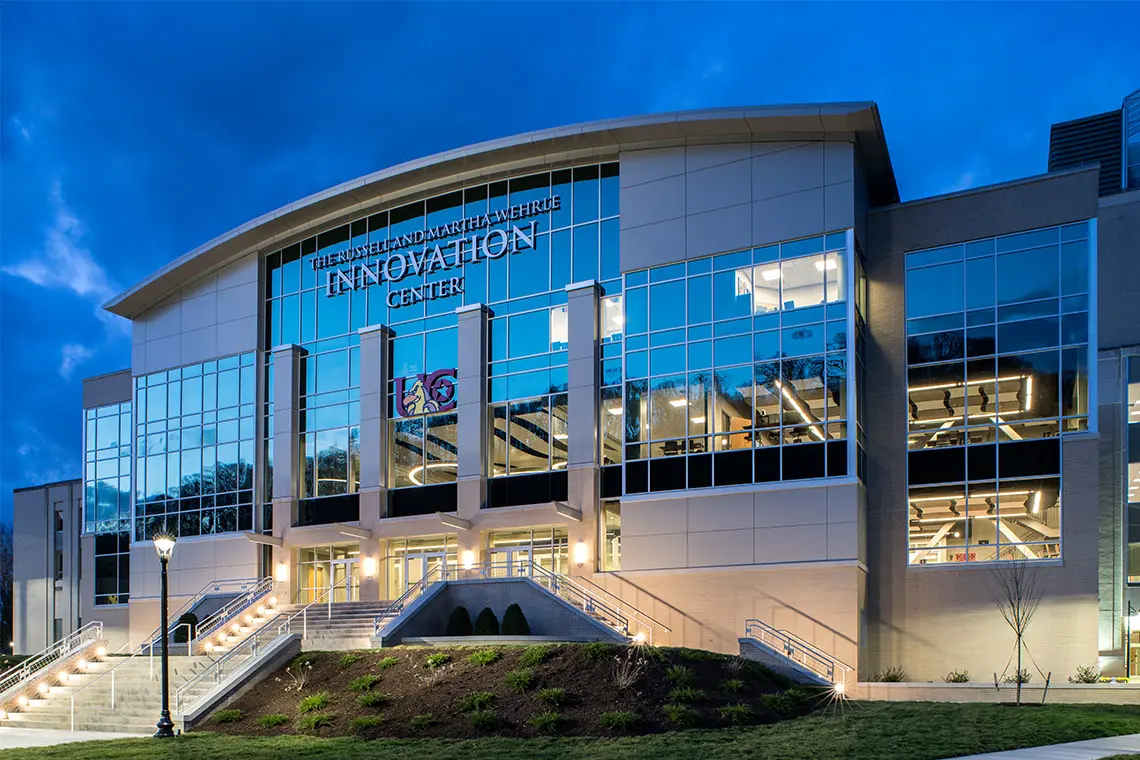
101 652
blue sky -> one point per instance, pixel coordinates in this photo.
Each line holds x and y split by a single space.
132 133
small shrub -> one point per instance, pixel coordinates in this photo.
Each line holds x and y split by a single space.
731 685
678 675
421 722
483 657
303 660
373 699
755 671
535 655
555 697
957 676
314 721
487 624
273 720
364 683
679 716
628 668
781 703
521 679
685 695
597 650
313 702
1085 675
484 720
348 660
228 716
478 700
459 622
1022 677
514 622
736 715
651 653
365 722
298 677
388 662
618 720
433 661
547 722
893 674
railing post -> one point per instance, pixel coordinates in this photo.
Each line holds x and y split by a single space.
112 691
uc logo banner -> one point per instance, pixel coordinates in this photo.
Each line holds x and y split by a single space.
427 393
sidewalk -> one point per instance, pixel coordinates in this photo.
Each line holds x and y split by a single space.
1093 749
18 738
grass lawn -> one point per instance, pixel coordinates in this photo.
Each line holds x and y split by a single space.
864 731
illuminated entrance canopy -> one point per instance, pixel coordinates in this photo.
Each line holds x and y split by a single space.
430 259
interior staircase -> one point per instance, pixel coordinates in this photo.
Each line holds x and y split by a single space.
346 625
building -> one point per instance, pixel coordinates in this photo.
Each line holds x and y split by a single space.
707 361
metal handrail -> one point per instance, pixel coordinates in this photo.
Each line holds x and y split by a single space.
235 606
796 649
253 642
109 672
412 593
11 679
560 585
634 612
210 589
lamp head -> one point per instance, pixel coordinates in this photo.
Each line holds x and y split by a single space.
164 545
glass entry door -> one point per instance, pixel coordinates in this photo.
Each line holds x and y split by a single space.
345 580
417 566
322 567
512 562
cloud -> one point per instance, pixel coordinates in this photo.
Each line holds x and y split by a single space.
42 460
22 129
71 356
65 263
965 181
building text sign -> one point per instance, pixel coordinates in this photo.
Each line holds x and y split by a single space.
392 265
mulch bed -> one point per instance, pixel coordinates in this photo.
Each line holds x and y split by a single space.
586 672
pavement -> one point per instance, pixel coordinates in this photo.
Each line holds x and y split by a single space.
1093 749
18 738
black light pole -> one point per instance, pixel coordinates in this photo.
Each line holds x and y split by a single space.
164 545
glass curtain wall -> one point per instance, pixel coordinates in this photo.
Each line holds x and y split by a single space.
1132 471
573 240
107 498
194 449
738 364
998 371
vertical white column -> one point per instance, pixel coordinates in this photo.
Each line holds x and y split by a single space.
584 365
286 392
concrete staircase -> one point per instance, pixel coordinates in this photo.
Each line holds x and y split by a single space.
137 697
350 627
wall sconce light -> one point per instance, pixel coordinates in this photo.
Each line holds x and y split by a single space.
282 574
581 553
468 559
368 567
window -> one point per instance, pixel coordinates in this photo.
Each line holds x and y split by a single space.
194 448
511 552
58 565
112 568
736 369
609 528
997 372
1132 474
107 468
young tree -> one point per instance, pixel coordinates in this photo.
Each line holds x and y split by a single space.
7 618
1018 587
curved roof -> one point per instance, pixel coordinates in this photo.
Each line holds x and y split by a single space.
561 146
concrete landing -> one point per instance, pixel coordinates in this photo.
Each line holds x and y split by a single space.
1093 749
18 738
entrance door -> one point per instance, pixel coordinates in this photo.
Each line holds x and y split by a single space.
345 574
513 562
417 566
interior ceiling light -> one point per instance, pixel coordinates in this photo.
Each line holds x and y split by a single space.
698 420
615 411
414 473
678 402
770 274
822 265
560 436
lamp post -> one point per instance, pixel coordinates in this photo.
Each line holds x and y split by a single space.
164 545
